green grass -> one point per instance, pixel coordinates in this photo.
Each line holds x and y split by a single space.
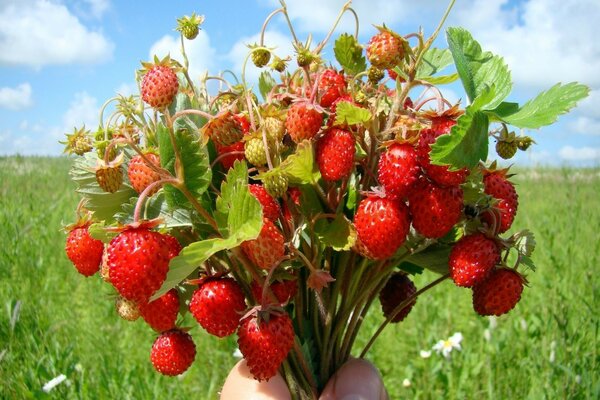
53 321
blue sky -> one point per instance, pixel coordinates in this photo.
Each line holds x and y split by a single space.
59 60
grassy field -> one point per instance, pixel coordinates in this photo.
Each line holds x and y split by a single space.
53 321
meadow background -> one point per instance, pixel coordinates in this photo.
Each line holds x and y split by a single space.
54 321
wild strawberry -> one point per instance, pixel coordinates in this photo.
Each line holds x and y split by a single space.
84 251
79 142
303 121
173 352
499 293
275 183
472 259
172 244
224 129
229 154
382 225
506 149
265 341
218 304
270 206
254 151
128 310
268 248
331 120
397 290
497 185
434 209
161 313
294 196
190 26
398 170
159 84
138 261
260 55
141 175
385 50
440 174
109 176
332 85
374 75
335 154
282 290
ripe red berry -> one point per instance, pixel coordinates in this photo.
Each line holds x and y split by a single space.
434 209
161 314
397 290
283 290
270 206
499 293
398 170
335 154
141 175
332 85
498 186
227 160
265 341
382 225
224 129
303 121
173 352
172 244
84 251
440 174
138 261
385 50
159 86
218 304
268 248
472 259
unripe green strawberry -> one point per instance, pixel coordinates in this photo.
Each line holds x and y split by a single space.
397 289
141 175
127 309
304 57
385 50
374 74
335 154
223 129
190 26
159 84
254 150
79 142
275 128
275 184
303 121
472 259
499 293
523 143
278 64
261 57
506 150
173 352
110 176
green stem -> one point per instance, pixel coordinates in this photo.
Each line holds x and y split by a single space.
345 8
186 65
287 18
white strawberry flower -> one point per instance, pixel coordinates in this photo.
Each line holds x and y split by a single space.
445 347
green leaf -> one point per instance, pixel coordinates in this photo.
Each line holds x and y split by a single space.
434 60
338 234
156 207
504 109
466 144
300 167
97 231
348 113
528 262
349 54
478 69
434 258
266 83
411 268
440 80
104 205
238 213
525 242
547 106
194 161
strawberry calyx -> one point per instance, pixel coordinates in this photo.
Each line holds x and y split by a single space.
141 224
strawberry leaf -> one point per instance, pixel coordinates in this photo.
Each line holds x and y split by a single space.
300 167
434 60
338 234
548 106
478 69
348 113
156 207
349 54
266 83
434 258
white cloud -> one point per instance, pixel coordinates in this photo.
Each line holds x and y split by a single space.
17 98
98 7
201 55
580 154
127 89
83 110
39 33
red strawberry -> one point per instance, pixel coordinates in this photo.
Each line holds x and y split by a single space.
294 195
499 293
173 352
498 186
218 304
268 248
382 225
173 245
138 261
84 252
159 86
161 313
332 85
335 154
270 206
385 49
227 160
283 290
265 341
141 175
398 170
224 129
472 259
434 209
345 98
303 121
396 290
440 174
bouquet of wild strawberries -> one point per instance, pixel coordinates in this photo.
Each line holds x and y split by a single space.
283 220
